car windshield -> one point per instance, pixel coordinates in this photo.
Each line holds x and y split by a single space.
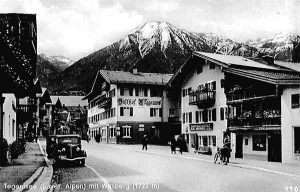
68 140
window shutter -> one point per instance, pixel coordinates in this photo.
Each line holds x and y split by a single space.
121 111
214 114
204 113
131 111
222 113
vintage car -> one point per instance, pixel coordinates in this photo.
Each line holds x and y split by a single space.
65 147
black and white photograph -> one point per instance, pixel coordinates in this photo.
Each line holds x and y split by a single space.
149 95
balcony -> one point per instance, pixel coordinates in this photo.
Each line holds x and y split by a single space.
202 98
272 123
104 103
239 96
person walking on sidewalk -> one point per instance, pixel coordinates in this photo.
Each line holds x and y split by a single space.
173 145
145 142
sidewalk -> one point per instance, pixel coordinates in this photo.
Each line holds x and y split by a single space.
287 169
28 170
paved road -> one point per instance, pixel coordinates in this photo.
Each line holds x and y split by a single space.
115 169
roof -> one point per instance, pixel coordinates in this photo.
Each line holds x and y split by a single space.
69 100
271 76
290 65
239 66
139 78
122 77
233 60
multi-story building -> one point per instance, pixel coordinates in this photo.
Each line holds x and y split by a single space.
260 102
124 106
18 62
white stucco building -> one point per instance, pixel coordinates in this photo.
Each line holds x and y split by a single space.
9 118
123 106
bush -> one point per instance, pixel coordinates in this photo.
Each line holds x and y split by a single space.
17 148
3 151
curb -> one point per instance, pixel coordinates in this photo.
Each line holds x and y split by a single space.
41 179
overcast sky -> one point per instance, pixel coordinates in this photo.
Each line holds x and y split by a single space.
75 28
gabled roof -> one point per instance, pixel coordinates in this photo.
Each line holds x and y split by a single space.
290 65
69 100
122 77
230 60
239 66
139 78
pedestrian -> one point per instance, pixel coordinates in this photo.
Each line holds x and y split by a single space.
180 143
97 138
173 145
145 142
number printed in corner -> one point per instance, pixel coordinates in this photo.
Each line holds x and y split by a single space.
291 188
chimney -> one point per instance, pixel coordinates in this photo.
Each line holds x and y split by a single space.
134 71
269 59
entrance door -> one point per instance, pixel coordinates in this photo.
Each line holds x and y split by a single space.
239 146
274 147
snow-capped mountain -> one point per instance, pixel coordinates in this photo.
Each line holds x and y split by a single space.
60 61
161 47
281 46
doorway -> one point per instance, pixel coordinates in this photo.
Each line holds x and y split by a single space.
239 146
274 147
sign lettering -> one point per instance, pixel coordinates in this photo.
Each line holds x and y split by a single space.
201 127
140 102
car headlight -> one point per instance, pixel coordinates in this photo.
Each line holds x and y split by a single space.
63 150
77 149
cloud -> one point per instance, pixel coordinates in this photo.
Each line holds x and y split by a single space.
75 28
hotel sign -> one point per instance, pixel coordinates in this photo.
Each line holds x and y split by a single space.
140 102
201 127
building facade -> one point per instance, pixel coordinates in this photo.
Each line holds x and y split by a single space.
9 118
124 106
254 103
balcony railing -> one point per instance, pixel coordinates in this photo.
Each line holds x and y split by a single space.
203 98
254 123
246 95
105 103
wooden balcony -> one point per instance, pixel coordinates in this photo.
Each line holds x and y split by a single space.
104 103
273 123
241 96
202 98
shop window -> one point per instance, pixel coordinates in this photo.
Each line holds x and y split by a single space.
126 131
214 141
297 139
295 101
112 132
204 140
259 142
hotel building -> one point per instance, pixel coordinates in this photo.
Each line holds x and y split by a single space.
123 106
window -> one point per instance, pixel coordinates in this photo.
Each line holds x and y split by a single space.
13 127
130 91
199 68
204 116
204 139
214 141
189 90
197 116
209 115
146 92
295 101
137 90
126 111
126 131
214 114
154 92
183 118
246 140
211 65
297 139
259 142
112 131
171 112
213 85
222 114
122 91
190 117
222 83
154 112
